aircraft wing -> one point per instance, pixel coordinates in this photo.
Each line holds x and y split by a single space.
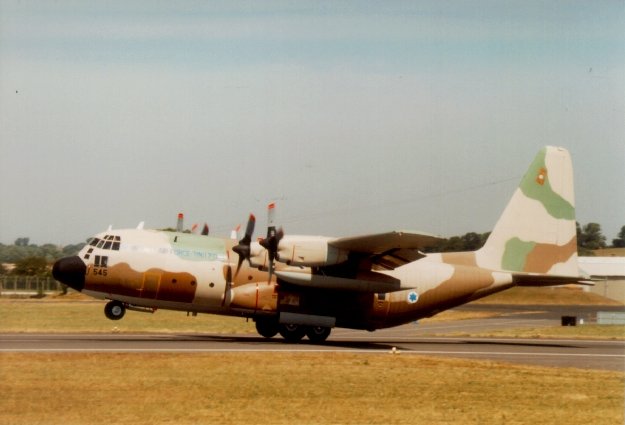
387 251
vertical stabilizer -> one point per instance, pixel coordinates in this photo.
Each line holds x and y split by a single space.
536 232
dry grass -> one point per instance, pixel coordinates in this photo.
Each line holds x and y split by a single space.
547 296
299 388
57 315
603 332
19 315
452 315
80 315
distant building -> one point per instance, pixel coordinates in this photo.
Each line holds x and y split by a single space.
611 270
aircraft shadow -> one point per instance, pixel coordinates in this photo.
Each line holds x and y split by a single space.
372 345
378 345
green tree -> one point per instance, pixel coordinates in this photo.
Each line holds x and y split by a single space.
591 237
22 241
468 242
31 266
619 242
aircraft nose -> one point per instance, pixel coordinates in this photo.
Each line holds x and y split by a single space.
70 271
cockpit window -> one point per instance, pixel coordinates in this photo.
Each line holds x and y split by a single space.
108 242
116 243
94 241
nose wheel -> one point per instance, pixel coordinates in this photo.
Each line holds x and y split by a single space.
114 310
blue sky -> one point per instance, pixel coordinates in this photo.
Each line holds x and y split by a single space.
356 116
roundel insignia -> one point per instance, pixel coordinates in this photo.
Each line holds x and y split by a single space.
412 297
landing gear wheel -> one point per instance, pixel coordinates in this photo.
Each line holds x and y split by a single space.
318 334
114 310
292 333
267 327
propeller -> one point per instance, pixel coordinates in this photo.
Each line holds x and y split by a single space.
243 249
271 242
195 228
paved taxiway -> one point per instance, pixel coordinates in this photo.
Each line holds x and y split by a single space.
606 355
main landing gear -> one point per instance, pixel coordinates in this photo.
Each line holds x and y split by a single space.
292 333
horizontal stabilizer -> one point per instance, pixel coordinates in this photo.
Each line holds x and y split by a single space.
531 279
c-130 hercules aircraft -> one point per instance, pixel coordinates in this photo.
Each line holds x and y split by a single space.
306 285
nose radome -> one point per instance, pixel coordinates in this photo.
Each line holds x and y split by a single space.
70 271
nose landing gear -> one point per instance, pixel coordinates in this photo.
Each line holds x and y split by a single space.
114 310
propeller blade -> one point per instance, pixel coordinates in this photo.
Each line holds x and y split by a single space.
272 241
243 249
249 230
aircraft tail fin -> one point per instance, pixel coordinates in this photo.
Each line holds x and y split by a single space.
536 232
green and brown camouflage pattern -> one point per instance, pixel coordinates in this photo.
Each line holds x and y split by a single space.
533 243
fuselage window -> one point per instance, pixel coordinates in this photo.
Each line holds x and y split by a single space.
101 261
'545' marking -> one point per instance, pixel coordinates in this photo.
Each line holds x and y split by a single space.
100 265
99 271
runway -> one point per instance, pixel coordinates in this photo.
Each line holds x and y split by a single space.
602 355
410 339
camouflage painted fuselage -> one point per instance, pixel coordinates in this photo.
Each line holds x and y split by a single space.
195 273
342 282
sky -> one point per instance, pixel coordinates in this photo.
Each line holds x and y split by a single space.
354 116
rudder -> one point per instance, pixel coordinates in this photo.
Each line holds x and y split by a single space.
536 232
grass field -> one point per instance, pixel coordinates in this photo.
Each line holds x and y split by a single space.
547 296
79 313
56 315
604 332
281 388
278 388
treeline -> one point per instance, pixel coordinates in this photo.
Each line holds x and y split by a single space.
33 260
589 238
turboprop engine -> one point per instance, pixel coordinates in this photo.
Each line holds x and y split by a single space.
292 250
309 251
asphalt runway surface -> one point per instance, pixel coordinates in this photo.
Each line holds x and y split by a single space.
410 339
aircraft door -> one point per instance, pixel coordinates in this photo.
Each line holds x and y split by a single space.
214 285
151 283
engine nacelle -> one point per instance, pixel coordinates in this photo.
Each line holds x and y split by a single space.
309 251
